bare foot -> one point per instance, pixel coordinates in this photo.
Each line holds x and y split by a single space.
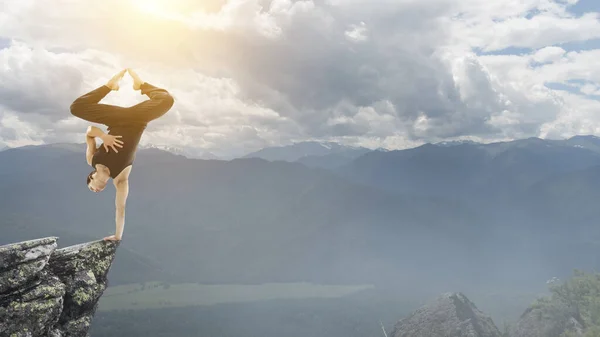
137 81
113 83
112 238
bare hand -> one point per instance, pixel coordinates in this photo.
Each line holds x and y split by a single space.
137 81
112 142
113 83
112 238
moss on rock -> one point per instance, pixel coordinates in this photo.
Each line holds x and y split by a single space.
50 292
20 263
35 311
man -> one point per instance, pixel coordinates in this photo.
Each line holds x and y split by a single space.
125 128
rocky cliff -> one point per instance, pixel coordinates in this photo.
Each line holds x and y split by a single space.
450 315
51 292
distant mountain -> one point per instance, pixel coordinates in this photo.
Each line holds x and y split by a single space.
586 142
570 196
246 221
313 154
434 213
189 152
455 142
567 205
469 169
330 161
297 151
546 190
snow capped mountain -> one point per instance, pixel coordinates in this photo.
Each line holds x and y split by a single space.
455 142
297 151
191 153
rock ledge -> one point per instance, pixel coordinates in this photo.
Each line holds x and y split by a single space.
52 292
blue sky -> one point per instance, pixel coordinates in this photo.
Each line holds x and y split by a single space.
585 6
580 8
572 86
4 42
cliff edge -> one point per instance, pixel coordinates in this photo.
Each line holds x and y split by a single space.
52 292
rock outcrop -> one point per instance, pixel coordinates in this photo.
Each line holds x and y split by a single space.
450 315
548 320
51 292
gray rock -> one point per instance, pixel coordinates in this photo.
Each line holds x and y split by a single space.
34 311
450 315
21 263
50 292
78 327
548 319
55 333
83 269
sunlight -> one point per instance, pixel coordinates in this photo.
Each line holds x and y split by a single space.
154 7
162 9
192 14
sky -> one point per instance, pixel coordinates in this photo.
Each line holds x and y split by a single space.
248 74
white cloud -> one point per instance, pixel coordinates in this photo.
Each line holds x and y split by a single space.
496 25
38 87
14 132
357 33
548 54
250 73
581 65
578 116
590 89
558 113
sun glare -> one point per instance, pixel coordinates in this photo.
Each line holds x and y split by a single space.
163 9
150 6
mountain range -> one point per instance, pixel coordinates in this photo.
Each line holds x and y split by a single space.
433 216
189 152
312 154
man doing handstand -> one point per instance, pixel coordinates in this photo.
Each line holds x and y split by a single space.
125 128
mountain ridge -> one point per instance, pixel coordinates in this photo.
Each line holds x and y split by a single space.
277 209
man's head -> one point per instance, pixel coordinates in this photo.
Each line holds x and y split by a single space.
96 181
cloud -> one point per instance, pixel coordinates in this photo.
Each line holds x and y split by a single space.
38 82
14 132
557 113
548 54
497 25
590 89
252 73
357 33
38 86
542 30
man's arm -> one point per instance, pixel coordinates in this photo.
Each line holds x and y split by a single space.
90 139
107 140
122 187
